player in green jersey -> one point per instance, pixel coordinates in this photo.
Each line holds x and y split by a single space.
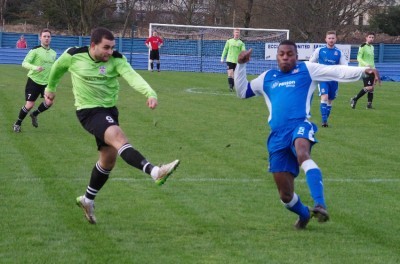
38 61
232 49
365 58
94 70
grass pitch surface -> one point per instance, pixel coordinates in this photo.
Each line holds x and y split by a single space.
221 205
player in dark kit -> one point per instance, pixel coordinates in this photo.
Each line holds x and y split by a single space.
94 71
38 61
365 57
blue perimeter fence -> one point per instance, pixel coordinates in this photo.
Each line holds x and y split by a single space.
187 55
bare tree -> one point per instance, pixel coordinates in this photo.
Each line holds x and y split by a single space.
188 12
3 7
308 20
91 11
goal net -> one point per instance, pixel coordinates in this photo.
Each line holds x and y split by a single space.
199 48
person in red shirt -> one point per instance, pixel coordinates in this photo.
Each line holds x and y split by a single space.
21 43
154 43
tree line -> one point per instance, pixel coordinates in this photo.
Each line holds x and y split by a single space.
307 20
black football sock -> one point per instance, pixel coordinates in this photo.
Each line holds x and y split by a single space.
97 180
230 81
42 107
370 97
360 94
134 158
22 114
158 66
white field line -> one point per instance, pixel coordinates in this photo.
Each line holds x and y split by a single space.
247 180
204 91
205 180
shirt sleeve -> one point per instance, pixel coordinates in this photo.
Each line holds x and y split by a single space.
29 58
134 79
225 51
315 56
59 68
340 73
244 88
360 55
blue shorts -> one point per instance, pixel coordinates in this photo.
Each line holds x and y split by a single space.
329 88
280 145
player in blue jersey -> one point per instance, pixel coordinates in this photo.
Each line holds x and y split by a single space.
328 55
288 93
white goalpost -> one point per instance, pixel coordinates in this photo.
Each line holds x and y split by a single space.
199 48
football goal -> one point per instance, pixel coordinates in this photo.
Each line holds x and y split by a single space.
199 48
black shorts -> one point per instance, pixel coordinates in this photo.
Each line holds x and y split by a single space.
230 66
33 90
97 120
154 54
369 80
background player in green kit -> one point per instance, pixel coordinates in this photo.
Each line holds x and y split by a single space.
94 70
365 58
38 61
232 49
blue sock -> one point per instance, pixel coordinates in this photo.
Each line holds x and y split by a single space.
297 207
328 110
314 181
323 110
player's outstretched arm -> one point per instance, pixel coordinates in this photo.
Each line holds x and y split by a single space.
244 56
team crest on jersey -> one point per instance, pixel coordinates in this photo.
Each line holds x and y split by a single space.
336 53
295 71
102 70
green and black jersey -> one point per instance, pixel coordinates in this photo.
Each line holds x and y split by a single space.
232 49
95 84
36 57
365 55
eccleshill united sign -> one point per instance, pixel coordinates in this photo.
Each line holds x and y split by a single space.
305 50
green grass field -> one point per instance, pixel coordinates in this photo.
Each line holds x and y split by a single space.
221 205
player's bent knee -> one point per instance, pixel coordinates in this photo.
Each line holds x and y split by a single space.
114 136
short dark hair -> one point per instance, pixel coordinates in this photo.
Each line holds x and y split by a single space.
45 30
370 33
288 42
99 33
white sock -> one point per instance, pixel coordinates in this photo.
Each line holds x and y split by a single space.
88 201
154 172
